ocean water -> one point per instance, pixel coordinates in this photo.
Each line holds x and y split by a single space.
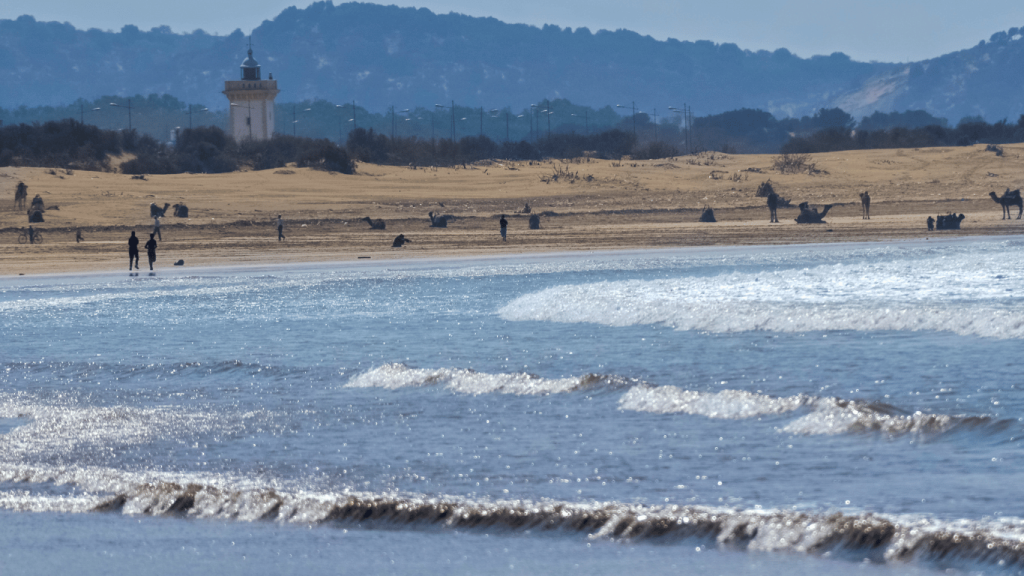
781 410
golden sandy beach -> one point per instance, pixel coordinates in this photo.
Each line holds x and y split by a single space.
602 205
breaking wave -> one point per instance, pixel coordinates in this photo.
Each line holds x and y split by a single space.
901 294
467 381
825 416
877 537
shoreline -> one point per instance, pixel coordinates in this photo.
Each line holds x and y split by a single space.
464 260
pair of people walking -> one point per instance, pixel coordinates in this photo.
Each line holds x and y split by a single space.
133 250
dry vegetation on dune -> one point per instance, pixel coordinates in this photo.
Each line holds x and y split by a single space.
583 205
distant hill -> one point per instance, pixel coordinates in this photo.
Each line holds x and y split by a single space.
384 55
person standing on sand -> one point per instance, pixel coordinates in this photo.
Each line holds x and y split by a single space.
504 228
280 228
151 250
78 236
156 228
133 250
31 234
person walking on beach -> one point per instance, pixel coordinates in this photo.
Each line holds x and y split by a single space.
151 250
78 236
133 250
504 228
280 228
156 228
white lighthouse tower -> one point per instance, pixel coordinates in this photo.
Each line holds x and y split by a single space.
252 103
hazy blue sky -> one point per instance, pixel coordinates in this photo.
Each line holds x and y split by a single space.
884 30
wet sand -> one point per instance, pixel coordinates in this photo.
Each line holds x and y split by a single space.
582 204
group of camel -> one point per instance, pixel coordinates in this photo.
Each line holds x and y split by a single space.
441 221
180 210
943 222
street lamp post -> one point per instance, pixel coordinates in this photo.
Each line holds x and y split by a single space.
129 107
686 115
586 121
633 106
81 112
190 114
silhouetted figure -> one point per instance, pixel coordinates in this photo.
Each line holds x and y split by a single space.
20 196
399 241
773 205
156 228
78 236
504 228
931 223
151 250
31 235
534 222
865 205
133 250
280 228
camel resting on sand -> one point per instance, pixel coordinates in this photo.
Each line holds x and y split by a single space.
865 204
534 222
181 211
1009 198
375 224
155 211
707 215
810 215
399 241
440 221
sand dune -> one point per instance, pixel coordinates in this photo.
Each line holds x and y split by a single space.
602 205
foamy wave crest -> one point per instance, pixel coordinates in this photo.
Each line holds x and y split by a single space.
826 416
730 404
466 381
879 538
893 295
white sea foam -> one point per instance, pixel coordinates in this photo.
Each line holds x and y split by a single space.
962 292
466 381
825 416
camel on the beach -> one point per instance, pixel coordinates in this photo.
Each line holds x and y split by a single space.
181 211
707 215
534 222
157 212
810 215
949 222
20 196
1009 198
375 224
865 204
440 221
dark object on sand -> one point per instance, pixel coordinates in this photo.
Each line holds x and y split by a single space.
35 216
179 263
440 221
375 224
156 211
181 211
400 240
931 223
949 222
707 215
534 222
810 215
